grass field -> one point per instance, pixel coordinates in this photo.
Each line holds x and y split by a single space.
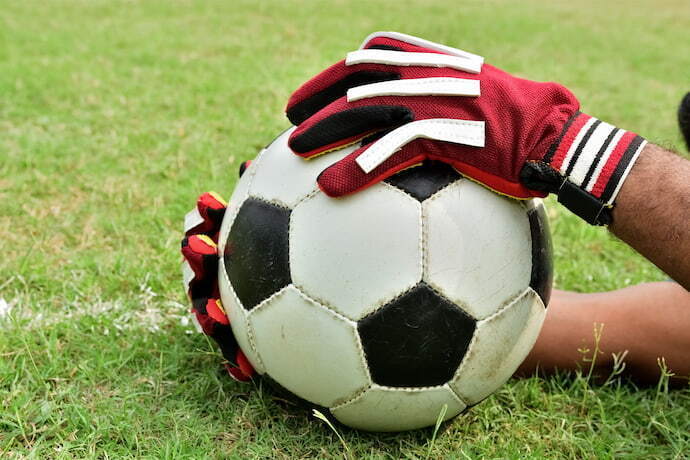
115 115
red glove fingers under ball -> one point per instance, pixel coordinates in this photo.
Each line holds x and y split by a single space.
200 271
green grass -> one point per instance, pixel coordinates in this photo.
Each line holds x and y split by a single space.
115 115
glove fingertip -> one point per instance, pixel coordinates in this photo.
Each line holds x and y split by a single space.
202 244
244 364
211 200
215 310
330 185
236 373
219 199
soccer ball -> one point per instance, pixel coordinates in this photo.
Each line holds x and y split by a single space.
411 300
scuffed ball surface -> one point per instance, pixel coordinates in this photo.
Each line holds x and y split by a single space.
424 291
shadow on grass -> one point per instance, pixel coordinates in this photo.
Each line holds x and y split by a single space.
570 395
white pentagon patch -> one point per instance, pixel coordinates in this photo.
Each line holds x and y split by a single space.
238 196
238 318
356 253
397 409
286 178
478 247
310 350
500 344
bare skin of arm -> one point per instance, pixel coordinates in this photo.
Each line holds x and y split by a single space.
652 212
630 325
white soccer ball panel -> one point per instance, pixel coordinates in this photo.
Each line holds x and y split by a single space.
308 349
286 178
238 318
479 247
358 252
238 196
398 409
501 342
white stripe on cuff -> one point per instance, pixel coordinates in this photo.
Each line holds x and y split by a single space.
444 86
464 132
625 174
589 152
576 142
604 159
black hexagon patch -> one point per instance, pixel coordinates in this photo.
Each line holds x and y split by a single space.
417 340
542 253
256 253
421 182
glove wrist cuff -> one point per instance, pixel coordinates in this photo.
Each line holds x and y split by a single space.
592 159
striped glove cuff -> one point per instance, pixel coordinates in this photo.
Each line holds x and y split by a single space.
586 166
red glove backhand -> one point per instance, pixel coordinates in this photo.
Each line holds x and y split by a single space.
428 101
200 270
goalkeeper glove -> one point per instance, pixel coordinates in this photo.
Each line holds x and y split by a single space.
410 100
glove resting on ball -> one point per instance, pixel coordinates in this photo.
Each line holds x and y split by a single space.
409 100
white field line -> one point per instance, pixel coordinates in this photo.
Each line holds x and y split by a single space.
148 312
4 308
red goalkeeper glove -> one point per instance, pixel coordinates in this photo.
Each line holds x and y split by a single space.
410 99
200 270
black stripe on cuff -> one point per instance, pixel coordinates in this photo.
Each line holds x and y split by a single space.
597 158
552 150
581 146
621 168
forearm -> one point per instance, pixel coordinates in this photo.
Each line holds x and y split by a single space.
626 326
652 212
